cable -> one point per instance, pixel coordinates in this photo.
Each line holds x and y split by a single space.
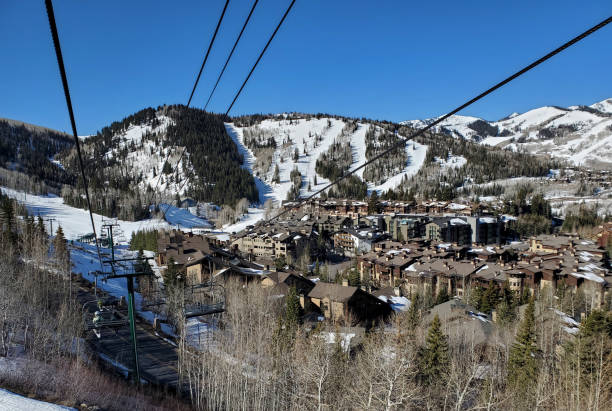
260 56
208 52
60 63
231 53
250 73
195 85
456 110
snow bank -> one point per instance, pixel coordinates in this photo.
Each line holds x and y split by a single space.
9 401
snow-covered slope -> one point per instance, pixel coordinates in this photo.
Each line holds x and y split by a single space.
146 158
75 222
579 134
312 137
9 401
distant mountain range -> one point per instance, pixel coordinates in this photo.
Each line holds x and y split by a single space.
581 135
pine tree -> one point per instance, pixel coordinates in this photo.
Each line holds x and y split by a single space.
172 275
353 278
62 255
276 177
373 203
442 296
594 341
413 317
435 358
293 313
41 227
522 362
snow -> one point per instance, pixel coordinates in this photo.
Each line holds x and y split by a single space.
75 222
294 134
604 105
571 330
456 124
9 401
457 221
493 141
456 206
479 316
182 217
416 159
451 162
566 318
345 339
397 303
487 220
591 142
587 275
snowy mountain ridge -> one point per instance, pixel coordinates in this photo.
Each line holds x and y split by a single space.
580 134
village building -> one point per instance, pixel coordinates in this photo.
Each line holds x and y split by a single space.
348 304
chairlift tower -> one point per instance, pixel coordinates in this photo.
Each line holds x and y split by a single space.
118 270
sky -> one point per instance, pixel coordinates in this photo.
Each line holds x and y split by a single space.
392 60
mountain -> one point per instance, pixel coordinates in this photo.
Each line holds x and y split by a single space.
581 135
126 162
248 160
28 152
298 154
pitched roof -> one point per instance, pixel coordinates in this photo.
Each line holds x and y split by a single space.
334 292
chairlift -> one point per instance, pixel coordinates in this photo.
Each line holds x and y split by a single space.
104 315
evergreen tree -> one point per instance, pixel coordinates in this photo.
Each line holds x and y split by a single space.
413 316
442 296
172 276
353 278
276 177
167 169
373 203
435 358
62 255
293 314
594 341
296 155
280 263
522 362
324 274
41 227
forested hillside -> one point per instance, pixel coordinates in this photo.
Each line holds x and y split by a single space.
126 163
30 150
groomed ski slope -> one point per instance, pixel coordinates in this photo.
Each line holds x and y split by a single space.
75 222
297 131
292 134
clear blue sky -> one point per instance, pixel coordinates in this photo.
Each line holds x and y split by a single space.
392 60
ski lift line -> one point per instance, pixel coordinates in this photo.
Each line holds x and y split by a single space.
260 56
231 53
456 110
60 63
195 85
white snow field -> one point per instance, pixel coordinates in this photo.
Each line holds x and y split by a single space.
316 135
9 401
75 222
584 134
